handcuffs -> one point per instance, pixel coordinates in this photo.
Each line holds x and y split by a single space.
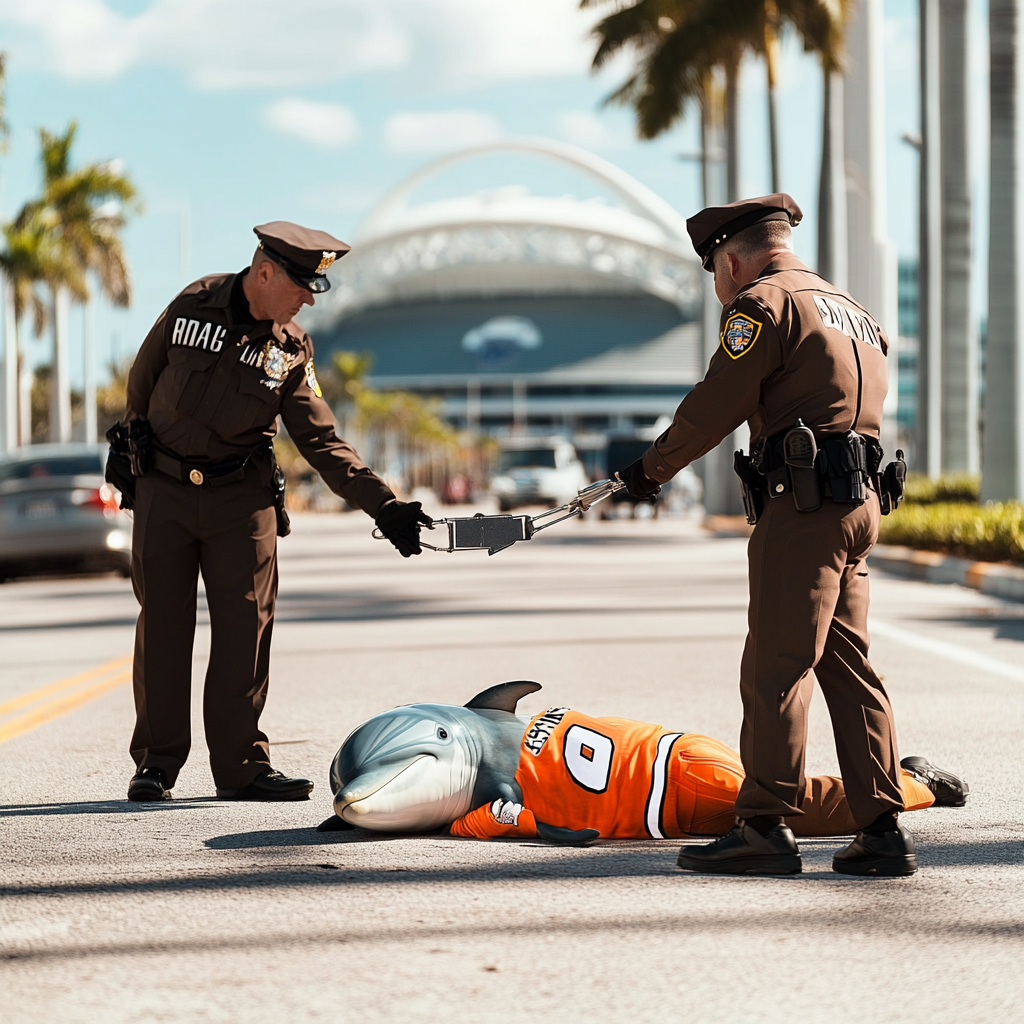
495 533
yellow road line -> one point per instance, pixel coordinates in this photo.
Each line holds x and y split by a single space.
60 706
63 684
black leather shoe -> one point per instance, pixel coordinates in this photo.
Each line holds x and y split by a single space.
149 784
270 785
948 790
887 855
744 851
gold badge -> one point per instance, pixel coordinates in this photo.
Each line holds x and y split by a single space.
739 334
274 361
311 381
196 477
326 263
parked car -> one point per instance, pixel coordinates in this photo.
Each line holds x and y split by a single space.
537 471
58 513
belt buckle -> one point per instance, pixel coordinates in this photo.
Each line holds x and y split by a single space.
196 477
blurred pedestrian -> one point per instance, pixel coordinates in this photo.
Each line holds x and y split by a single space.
195 459
805 365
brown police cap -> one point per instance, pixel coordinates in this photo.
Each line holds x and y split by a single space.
712 226
305 254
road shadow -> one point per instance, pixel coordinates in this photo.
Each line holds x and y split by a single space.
105 807
1004 627
294 837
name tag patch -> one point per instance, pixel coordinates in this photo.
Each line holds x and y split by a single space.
851 322
739 334
197 334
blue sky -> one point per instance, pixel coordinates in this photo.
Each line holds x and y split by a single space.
229 113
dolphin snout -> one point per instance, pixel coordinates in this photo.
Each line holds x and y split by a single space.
396 797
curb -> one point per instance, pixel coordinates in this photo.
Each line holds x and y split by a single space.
992 578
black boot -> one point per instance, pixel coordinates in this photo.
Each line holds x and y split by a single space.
888 854
948 790
744 851
270 785
149 784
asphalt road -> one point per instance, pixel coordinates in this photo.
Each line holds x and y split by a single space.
200 911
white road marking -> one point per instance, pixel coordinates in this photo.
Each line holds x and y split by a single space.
944 649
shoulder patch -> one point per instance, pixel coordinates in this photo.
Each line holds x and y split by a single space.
739 334
311 381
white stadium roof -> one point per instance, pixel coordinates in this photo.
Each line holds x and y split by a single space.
507 241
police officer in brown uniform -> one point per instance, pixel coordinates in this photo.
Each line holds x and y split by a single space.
805 365
222 362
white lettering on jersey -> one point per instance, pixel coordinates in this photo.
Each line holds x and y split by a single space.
218 339
204 336
179 331
588 757
538 733
851 322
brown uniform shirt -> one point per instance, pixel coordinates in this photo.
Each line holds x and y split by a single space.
792 346
212 387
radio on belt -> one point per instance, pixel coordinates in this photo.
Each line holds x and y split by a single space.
495 533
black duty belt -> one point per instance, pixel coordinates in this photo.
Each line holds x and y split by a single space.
200 471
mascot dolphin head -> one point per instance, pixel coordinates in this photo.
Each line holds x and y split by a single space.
421 766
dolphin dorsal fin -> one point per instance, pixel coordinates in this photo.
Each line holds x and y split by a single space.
504 696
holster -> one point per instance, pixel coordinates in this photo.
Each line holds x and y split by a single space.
130 456
277 488
892 484
752 486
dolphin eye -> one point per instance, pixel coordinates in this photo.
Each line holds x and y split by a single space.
442 734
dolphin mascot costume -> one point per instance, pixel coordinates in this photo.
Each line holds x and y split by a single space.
483 772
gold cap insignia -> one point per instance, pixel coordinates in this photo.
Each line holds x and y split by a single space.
326 263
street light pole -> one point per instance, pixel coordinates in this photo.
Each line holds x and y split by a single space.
1002 460
929 389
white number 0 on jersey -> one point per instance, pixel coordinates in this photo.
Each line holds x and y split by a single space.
588 756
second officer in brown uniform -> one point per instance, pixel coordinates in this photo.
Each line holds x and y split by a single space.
222 362
805 365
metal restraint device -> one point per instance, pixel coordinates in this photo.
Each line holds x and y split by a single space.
495 533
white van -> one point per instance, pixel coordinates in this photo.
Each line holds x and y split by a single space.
536 471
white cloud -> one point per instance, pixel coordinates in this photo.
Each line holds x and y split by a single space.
324 124
437 130
254 43
586 129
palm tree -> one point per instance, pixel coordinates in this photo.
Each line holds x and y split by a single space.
83 211
679 43
25 263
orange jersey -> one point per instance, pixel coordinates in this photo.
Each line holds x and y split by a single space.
610 774
633 780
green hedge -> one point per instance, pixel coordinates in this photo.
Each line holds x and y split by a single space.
991 533
952 487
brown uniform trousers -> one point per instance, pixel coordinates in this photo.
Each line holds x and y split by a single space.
228 533
808 619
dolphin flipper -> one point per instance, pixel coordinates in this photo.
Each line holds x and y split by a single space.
504 696
334 824
565 836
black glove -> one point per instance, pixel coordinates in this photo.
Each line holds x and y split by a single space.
400 522
639 485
